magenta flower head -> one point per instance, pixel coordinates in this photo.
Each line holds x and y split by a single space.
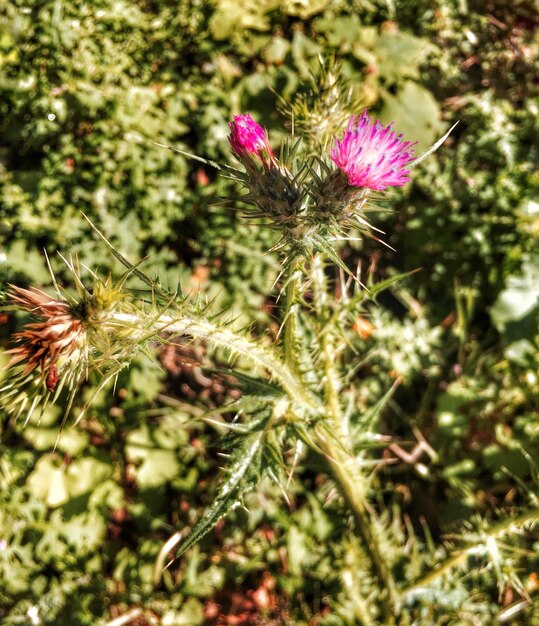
249 139
372 155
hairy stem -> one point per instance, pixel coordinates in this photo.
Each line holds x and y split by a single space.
332 384
235 343
345 470
290 326
351 483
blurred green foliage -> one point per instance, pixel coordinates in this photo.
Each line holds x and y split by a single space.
85 90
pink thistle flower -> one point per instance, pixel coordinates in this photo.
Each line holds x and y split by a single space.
248 138
372 155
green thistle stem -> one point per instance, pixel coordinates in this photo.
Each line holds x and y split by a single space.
225 338
344 468
290 319
351 483
332 385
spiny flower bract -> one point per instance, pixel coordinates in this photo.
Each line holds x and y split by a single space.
372 155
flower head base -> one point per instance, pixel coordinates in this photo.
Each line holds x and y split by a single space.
273 190
372 155
248 139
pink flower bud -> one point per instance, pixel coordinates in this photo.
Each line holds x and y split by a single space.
372 155
248 138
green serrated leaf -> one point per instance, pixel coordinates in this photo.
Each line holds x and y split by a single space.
374 290
325 247
368 420
370 294
227 499
249 385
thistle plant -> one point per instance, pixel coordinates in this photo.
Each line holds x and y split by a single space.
298 388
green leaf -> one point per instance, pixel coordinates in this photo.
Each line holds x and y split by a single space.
520 296
303 8
227 499
516 313
145 378
156 466
369 420
232 16
342 31
48 482
191 614
399 54
277 50
298 552
56 483
84 532
415 112
374 290
70 440
83 475
249 385
28 261
370 294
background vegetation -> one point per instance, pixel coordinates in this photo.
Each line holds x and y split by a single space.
85 89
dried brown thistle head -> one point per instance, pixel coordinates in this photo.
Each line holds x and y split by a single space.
51 352
48 343
97 329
